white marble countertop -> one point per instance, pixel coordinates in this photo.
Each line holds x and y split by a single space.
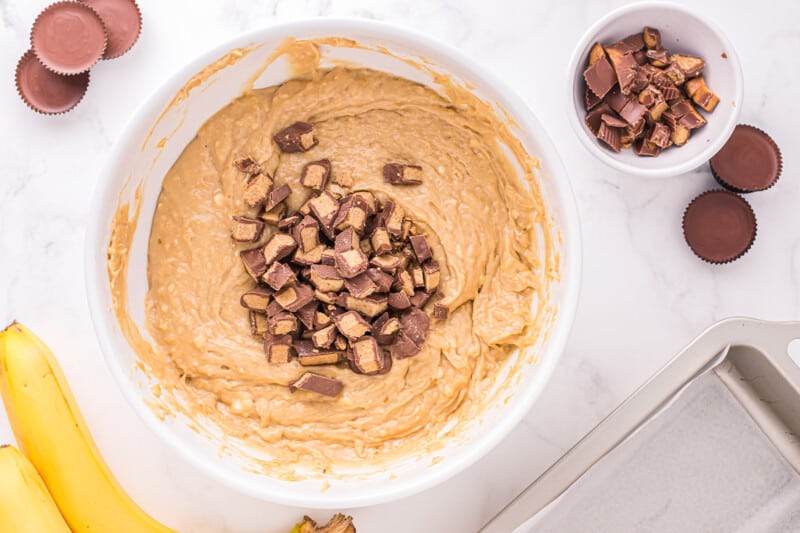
644 294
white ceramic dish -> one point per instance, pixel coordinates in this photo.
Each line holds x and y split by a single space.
138 155
683 31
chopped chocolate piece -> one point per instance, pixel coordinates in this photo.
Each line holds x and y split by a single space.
640 81
692 119
649 95
328 257
308 355
345 241
316 174
366 247
657 110
600 77
420 298
340 343
432 276
596 53
690 66
381 242
616 100
274 308
421 248
292 298
352 214
417 275
257 298
403 347
360 286
321 320
257 189
326 297
387 263
306 233
666 86
393 217
277 195
324 207
305 208
306 314
382 280
658 58
274 215
324 337
594 117
319 384
311 257
248 165
700 94
440 312
326 278
652 38
610 136
286 224
278 275
254 262
611 121
246 229
641 59
631 43
278 348
403 282
633 111
399 174
624 66
370 200
659 136
299 137
415 323
675 74
386 328
590 100
350 263
636 130
258 324
280 245
352 325
644 148
367 355
282 323
399 300
371 306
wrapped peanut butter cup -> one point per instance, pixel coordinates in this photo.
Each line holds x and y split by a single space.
123 22
45 91
750 161
68 37
719 226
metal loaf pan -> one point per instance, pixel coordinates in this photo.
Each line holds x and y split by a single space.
749 357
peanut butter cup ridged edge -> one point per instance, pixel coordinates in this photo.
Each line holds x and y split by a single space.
740 190
56 5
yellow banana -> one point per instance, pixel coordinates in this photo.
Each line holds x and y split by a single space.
25 504
52 433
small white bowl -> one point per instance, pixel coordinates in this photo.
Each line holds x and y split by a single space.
682 31
158 133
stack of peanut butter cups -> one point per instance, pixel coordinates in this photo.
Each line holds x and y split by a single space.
67 39
720 225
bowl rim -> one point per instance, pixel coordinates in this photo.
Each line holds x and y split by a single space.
608 157
105 322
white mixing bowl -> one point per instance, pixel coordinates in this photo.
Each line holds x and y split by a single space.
140 156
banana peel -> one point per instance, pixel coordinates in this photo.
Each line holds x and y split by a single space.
51 432
25 504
